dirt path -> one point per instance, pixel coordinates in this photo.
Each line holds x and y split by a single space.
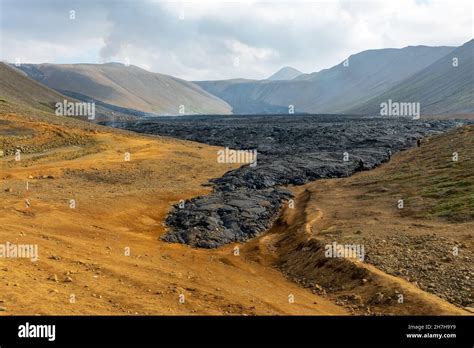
294 246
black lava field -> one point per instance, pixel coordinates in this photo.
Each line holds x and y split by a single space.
291 149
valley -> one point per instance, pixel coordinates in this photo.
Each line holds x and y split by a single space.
108 256
217 213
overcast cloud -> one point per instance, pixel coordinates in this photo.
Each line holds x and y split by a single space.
198 40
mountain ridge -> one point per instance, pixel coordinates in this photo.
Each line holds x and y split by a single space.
351 86
333 90
440 88
128 87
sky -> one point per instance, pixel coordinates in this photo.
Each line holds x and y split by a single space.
211 40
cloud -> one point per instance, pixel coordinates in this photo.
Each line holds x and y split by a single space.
202 39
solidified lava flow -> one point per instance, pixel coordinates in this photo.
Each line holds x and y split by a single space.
290 150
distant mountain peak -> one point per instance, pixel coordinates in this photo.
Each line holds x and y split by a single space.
114 64
285 73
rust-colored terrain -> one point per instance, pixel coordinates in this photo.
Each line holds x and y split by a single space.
105 256
120 207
